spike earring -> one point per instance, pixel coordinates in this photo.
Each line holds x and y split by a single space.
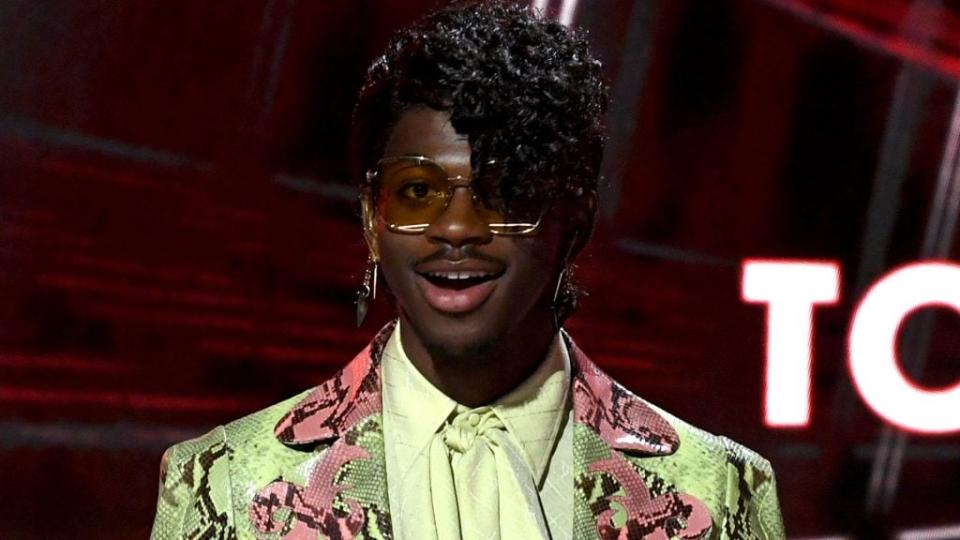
368 290
564 295
561 282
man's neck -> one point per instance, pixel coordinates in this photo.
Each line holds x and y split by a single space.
479 381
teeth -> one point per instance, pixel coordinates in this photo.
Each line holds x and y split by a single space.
459 275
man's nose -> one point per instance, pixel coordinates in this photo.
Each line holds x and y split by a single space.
459 224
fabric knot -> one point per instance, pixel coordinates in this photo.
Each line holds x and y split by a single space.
463 430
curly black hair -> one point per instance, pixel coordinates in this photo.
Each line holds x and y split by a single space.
525 91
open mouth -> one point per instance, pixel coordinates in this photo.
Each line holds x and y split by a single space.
459 281
457 291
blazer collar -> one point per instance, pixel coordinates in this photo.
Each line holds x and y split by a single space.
334 407
620 418
617 416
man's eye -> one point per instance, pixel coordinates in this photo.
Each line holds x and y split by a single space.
416 190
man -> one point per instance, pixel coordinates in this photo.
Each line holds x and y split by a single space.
473 415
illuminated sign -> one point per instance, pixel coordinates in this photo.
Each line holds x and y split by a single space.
792 289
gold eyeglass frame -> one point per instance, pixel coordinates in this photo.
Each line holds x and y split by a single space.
455 182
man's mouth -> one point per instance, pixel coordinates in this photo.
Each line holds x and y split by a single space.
458 280
457 291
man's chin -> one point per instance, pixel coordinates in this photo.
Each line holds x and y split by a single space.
473 347
473 337
458 339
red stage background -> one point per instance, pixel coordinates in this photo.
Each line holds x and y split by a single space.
179 243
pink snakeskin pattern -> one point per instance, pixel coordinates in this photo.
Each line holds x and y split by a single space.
622 420
339 403
614 413
311 507
329 412
671 515
618 493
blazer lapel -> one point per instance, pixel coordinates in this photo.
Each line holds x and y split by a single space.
614 499
344 494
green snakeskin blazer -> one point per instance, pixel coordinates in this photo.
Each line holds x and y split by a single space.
313 467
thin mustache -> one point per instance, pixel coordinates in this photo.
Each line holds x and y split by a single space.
457 254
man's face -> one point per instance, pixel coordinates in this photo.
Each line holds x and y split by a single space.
509 281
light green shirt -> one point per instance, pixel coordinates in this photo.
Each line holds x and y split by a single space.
537 418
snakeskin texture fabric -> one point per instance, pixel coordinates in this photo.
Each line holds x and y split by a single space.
312 467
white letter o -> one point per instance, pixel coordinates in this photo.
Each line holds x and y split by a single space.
873 359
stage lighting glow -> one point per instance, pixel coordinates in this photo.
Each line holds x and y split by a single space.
568 10
945 532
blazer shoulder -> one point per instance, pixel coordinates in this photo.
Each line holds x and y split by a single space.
735 479
258 427
255 429
197 476
194 495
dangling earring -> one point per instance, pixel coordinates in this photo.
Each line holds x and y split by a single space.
564 295
368 289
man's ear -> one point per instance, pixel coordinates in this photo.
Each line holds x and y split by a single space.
367 214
